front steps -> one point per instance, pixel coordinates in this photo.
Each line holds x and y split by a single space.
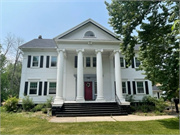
90 109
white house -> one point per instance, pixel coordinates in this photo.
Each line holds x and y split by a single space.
81 65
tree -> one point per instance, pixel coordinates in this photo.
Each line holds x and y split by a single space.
10 67
152 20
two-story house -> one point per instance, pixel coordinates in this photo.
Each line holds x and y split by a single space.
81 65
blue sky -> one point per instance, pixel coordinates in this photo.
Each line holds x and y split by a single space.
30 18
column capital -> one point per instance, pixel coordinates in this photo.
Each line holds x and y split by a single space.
98 50
59 50
79 50
115 51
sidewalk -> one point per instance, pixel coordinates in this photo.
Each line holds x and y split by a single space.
108 118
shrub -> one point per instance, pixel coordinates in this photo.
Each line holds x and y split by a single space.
38 107
11 104
48 102
44 110
27 103
130 98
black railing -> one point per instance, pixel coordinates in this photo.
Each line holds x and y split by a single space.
117 100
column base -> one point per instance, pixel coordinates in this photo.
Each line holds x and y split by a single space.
58 101
100 99
80 99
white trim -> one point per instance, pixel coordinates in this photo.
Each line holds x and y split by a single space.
33 81
135 62
48 86
123 62
91 61
143 86
32 61
126 87
50 61
89 37
83 23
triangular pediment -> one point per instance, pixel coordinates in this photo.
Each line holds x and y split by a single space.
78 32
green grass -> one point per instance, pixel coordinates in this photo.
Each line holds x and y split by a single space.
14 123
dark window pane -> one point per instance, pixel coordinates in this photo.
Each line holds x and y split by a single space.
124 87
53 61
137 62
52 88
89 34
88 62
33 91
33 88
75 61
35 61
94 61
122 62
140 87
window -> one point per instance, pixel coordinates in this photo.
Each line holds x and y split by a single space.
33 88
88 61
53 61
52 87
137 62
124 87
140 87
94 61
89 34
122 61
35 61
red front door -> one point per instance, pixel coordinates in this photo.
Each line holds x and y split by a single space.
88 90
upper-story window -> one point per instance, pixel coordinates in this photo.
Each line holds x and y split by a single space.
35 61
88 61
94 61
122 61
53 61
89 34
137 62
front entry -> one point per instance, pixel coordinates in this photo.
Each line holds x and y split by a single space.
88 90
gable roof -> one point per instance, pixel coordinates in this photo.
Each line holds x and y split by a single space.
84 23
39 43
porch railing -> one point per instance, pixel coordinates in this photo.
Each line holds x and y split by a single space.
117 100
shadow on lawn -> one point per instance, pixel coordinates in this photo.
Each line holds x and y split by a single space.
170 123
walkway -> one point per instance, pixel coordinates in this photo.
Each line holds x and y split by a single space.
108 118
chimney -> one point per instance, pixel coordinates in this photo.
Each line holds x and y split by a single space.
40 37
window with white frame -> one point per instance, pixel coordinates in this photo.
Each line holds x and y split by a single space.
33 88
52 87
35 61
89 34
137 62
89 61
122 61
53 61
140 86
124 87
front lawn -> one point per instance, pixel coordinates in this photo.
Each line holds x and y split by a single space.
22 123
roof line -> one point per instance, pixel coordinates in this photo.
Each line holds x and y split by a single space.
82 24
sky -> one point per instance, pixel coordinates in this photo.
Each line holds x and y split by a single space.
28 19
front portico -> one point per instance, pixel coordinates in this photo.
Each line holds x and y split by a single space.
89 87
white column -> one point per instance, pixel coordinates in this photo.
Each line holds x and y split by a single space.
58 101
99 75
118 75
80 78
